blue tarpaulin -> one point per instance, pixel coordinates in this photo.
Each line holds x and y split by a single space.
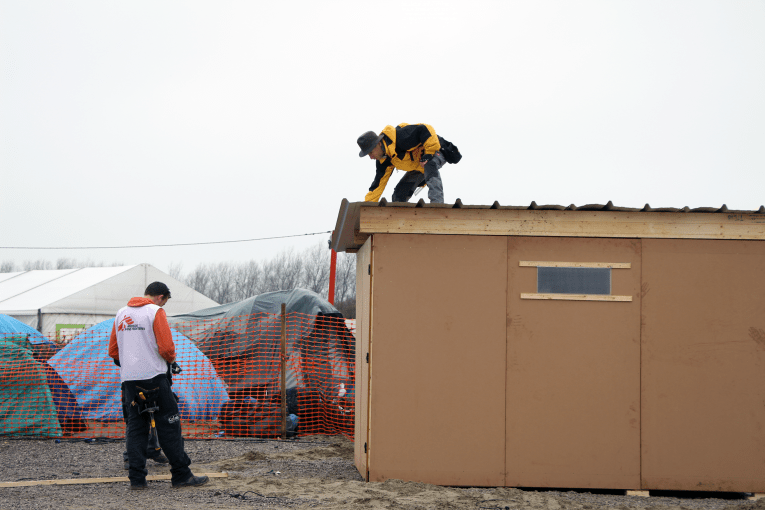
13 327
94 379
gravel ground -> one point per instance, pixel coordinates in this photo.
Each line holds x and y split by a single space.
313 472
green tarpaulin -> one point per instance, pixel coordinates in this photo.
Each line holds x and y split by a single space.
26 404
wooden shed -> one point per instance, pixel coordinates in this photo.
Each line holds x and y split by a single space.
549 346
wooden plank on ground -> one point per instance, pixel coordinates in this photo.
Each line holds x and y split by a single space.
75 481
643 494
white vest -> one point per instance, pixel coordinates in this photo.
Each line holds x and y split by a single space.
139 354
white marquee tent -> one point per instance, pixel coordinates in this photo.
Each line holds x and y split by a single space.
67 300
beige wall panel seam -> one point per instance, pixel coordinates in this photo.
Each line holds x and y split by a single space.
507 350
641 297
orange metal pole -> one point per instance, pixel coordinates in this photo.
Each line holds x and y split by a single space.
332 264
284 370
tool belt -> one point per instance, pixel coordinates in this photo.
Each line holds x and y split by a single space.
146 400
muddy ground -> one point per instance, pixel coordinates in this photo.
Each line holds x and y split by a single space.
313 472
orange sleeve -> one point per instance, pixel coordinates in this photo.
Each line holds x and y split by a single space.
164 336
114 349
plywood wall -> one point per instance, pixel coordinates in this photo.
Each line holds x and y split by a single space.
573 372
470 384
703 365
364 309
438 357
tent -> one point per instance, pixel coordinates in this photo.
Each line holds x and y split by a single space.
70 300
69 413
26 403
252 329
13 327
94 379
243 341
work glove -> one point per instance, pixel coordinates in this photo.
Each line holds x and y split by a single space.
175 368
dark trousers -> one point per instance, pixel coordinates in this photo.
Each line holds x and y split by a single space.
151 453
413 179
168 423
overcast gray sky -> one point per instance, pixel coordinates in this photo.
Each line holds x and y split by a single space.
135 123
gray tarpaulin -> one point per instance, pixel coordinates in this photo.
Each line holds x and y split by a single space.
243 341
247 334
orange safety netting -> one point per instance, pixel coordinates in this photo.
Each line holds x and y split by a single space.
230 385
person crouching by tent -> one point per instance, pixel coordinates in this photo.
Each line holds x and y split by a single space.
141 344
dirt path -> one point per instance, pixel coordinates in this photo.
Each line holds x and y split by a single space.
314 472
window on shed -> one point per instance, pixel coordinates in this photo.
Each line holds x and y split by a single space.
574 280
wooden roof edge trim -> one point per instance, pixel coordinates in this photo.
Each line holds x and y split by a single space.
605 224
346 235
593 235
347 224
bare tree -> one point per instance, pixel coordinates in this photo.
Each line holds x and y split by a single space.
222 282
31 265
283 272
316 261
64 263
248 280
8 266
345 277
199 279
175 269
92 263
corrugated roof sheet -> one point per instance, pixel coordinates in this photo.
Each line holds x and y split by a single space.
572 207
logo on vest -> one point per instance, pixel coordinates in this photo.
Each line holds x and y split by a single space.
127 324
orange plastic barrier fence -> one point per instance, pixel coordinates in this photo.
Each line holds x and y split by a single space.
230 385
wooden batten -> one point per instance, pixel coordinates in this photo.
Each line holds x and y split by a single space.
539 263
575 297
658 225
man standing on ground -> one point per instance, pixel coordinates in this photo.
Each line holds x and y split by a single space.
142 345
413 148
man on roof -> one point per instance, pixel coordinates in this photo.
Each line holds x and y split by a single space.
413 148
141 344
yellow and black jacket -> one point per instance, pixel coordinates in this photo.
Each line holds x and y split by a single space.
405 146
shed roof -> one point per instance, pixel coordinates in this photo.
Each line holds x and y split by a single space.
358 220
